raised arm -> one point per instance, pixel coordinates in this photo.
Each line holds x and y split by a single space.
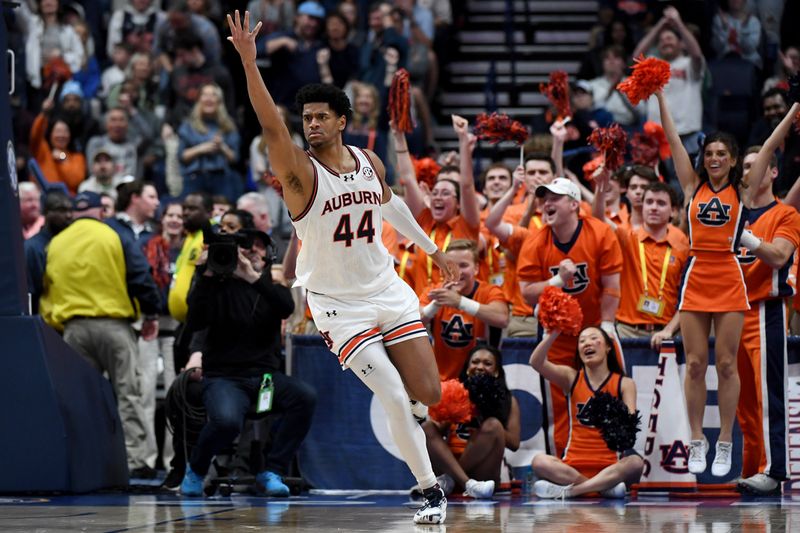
414 197
683 164
759 167
559 375
650 38
690 43
289 162
469 200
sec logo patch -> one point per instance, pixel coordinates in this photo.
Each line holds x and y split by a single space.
368 174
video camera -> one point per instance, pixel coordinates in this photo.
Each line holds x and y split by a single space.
223 249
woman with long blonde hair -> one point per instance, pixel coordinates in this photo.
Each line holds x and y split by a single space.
209 145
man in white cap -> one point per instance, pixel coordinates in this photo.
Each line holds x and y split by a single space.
580 255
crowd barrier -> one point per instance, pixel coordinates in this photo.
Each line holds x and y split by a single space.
349 445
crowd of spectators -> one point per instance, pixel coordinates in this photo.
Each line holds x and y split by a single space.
136 110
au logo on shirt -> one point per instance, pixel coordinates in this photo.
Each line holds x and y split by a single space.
579 281
714 213
456 333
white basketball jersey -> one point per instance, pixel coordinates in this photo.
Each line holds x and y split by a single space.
342 253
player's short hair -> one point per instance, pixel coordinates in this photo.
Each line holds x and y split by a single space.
321 93
464 244
659 186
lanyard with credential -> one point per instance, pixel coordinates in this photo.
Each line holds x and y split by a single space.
664 268
443 248
404 264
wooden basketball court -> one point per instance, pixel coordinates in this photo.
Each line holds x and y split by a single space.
366 511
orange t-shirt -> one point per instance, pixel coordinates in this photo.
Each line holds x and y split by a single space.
407 267
586 445
456 332
593 248
763 281
519 307
715 219
442 233
621 217
631 283
390 240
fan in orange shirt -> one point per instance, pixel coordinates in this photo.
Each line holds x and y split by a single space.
496 181
511 238
761 359
582 256
460 313
647 307
453 212
50 142
588 465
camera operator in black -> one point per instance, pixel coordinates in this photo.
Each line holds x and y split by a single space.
242 315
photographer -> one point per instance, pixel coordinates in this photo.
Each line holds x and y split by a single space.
241 310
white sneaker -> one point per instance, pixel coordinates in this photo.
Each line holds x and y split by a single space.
551 491
434 510
446 483
419 410
697 456
480 490
616 492
722 459
761 485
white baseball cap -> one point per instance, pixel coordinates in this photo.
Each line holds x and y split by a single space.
560 186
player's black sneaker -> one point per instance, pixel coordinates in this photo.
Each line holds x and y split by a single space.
434 510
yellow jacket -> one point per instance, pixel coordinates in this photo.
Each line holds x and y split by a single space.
85 275
184 272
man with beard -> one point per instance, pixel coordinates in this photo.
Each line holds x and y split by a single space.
774 108
57 216
82 126
197 208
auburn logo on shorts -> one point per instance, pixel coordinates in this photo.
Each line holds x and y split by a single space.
579 281
456 333
714 213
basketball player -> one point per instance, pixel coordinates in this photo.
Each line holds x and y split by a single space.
336 196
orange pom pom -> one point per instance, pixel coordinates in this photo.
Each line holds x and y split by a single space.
558 310
644 149
496 127
426 170
557 91
611 142
648 76
590 166
400 102
455 407
654 129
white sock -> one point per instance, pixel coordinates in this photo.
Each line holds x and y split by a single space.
384 381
